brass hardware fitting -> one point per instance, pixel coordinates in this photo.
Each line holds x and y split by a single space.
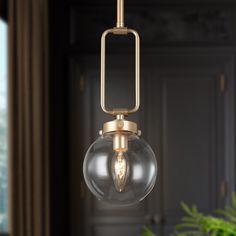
118 111
120 142
120 125
120 31
120 128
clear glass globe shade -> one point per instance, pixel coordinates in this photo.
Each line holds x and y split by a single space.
120 178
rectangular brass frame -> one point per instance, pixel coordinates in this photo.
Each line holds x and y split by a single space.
120 31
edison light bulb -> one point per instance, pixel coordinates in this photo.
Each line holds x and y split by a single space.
120 170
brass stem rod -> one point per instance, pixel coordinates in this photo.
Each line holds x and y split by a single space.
120 14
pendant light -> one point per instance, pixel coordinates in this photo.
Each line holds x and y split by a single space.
120 168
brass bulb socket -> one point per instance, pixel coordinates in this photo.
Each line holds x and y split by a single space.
120 142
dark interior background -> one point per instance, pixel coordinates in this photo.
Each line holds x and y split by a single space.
169 30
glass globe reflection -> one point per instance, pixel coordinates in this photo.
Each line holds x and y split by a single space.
121 177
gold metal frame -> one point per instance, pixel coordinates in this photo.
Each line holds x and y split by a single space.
120 124
120 30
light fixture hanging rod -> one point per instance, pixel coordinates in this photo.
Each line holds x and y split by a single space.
120 14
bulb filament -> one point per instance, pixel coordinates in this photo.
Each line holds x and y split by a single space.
120 169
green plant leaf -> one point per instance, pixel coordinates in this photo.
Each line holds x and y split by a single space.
147 232
187 209
194 223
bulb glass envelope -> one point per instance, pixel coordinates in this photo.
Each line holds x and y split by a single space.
140 169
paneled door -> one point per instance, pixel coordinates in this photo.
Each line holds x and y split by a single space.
182 116
186 116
